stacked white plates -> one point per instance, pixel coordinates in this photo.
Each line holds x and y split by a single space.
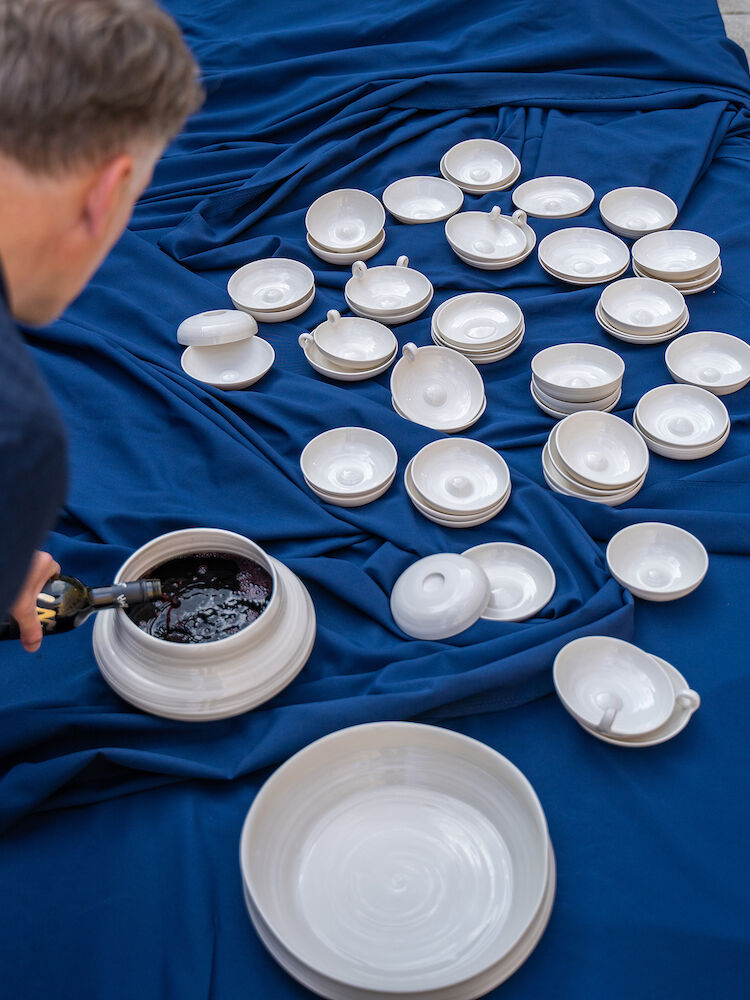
273 290
656 561
636 211
714 361
490 240
422 199
349 466
458 482
621 694
349 348
346 225
682 421
483 326
583 256
223 350
437 387
689 261
396 859
642 310
570 377
391 294
595 456
478 166
553 197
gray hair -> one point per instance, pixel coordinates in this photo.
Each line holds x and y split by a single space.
81 80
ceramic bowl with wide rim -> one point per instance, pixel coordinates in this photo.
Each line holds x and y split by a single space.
478 320
488 235
387 289
340 500
683 416
676 254
553 197
715 361
347 259
601 450
422 199
390 319
439 596
345 220
522 582
275 284
577 372
498 265
643 305
691 285
637 211
481 163
581 284
559 485
583 254
437 387
657 561
236 365
451 520
283 315
460 475
349 461
353 342
319 363
216 326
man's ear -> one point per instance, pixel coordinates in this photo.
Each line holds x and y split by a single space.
104 193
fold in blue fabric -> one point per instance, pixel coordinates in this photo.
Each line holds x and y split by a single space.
303 98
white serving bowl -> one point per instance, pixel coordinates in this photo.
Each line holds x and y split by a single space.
637 211
601 450
577 372
437 387
348 461
345 220
217 326
478 189
319 363
564 407
656 561
676 255
387 290
522 582
478 320
354 343
683 416
562 485
422 199
479 165
583 255
347 259
487 236
276 284
460 475
714 361
643 337
236 365
643 305
553 197
439 596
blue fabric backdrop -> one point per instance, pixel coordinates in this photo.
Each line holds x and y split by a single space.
118 860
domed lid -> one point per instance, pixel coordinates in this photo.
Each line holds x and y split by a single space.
439 596
217 326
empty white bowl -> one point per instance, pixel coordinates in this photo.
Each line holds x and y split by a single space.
682 416
319 363
643 305
636 211
481 165
488 235
656 561
483 357
387 290
583 256
422 199
216 326
347 258
714 361
478 320
600 449
460 475
353 342
553 197
437 387
677 254
694 285
276 284
345 220
236 365
577 372
522 582
561 484
439 596
348 461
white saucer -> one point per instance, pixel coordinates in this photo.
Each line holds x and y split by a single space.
522 582
553 197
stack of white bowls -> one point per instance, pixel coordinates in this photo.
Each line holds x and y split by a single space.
349 348
490 240
222 349
479 166
583 256
345 225
390 293
483 326
657 561
595 456
621 694
437 387
636 211
273 290
349 466
682 421
458 482
642 310
714 361
570 377
689 261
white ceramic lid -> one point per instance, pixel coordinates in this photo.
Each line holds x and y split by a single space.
521 580
354 342
422 199
583 254
460 475
348 460
643 305
345 220
682 415
436 386
478 320
562 485
387 288
577 372
235 365
639 210
488 235
600 449
439 596
553 197
709 359
272 284
676 253
657 561
217 326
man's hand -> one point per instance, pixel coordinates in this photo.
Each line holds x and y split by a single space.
42 567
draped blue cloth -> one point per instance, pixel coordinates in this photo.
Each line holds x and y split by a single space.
118 856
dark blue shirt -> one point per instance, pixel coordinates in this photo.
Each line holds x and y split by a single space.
33 457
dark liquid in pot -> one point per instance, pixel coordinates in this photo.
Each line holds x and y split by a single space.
206 596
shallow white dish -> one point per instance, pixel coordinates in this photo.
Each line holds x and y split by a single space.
236 365
477 320
639 338
636 211
319 363
553 197
460 475
345 220
657 561
682 415
577 372
437 387
349 461
483 164
216 326
562 407
347 259
714 361
439 596
422 199
483 357
388 289
560 485
488 236
522 582
643 305
676 255
276 284
353 342
601 450
583 255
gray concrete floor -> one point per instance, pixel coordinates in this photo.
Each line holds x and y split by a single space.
736 14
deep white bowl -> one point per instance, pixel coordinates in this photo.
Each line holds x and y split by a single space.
353 342
643 305
676 255
276 284
488 236
636 211
460 475
656 561
601 450
235 365
345 220
714 361
577 372
553 197
563 407
349 461
561 484
682 416
483 164
644 337
583 255
437 387
319 363
422 199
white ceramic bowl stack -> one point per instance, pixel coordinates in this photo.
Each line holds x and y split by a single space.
566 378
437 387
479 166
483 326
222 350
642 310
595 456
633 212
657 561
349 466
682 421
349 348
553 197
714 361
390 293
422 199
345 225
620 694
273 290
458 482
490 240
583 256
689 261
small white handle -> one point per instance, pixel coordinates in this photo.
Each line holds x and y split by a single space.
689 699
403 261
519 217
304 340
605 723
496 213
359 268
410 352
333 315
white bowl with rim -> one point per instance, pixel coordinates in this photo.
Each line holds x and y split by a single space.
601 450
553 197
657 561
422 199
570 480
680 452
342 500
488 236
637 211
522 582
682 416
348 461
319 363
347 259
478 321
676 254
715 361
345 220
483 164
477 188
236 365
353 342
387 289
275 284
643 305
437 387
460 475
577 372
583 255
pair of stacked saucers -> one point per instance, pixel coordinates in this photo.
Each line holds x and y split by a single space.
689 261
349 348
479 166
273 290
437 387
682 421
595 456
642 310
345 225
621 694
349 466
458 483
416 200
553 197
490 240
583 256
566 378
390 293
222 350
633 212
714 361
483 326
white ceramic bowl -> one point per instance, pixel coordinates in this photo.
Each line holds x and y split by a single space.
478 189
583 255
235 365
601 450
276 284
656 561
714 361
437 387
217 326
478 320
643 337
683 416
284 315
353 342
422 199
681 452
561 485
483 357
319 363
483 164
451 520
561 475
691 286
522 582
360 500
485 264
472 419
577 372
643 305
439 596
636 211
487 235
347 259
345 220
388 289
460 475
676 255
553 197
349 461
563 407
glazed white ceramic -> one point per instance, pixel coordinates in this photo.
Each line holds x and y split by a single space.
570 482
680 452
387 290
483 164
322 366
676 255
453 429
478 320
460 475
236 365
463 520
487 235
481 352
657 561
478 189
583 255
636 211
553 197
563 407
561 485
643 337
284 315
352 500
354 343
347 259
714 361
210 680
483 357
276 284
642 305
345 220
691 287
437 387
600 449
390 319
422 199
217 326
577 372
439 596
484 264
682 415
349 461
522 582
584 283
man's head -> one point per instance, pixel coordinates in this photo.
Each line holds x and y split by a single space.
90 93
